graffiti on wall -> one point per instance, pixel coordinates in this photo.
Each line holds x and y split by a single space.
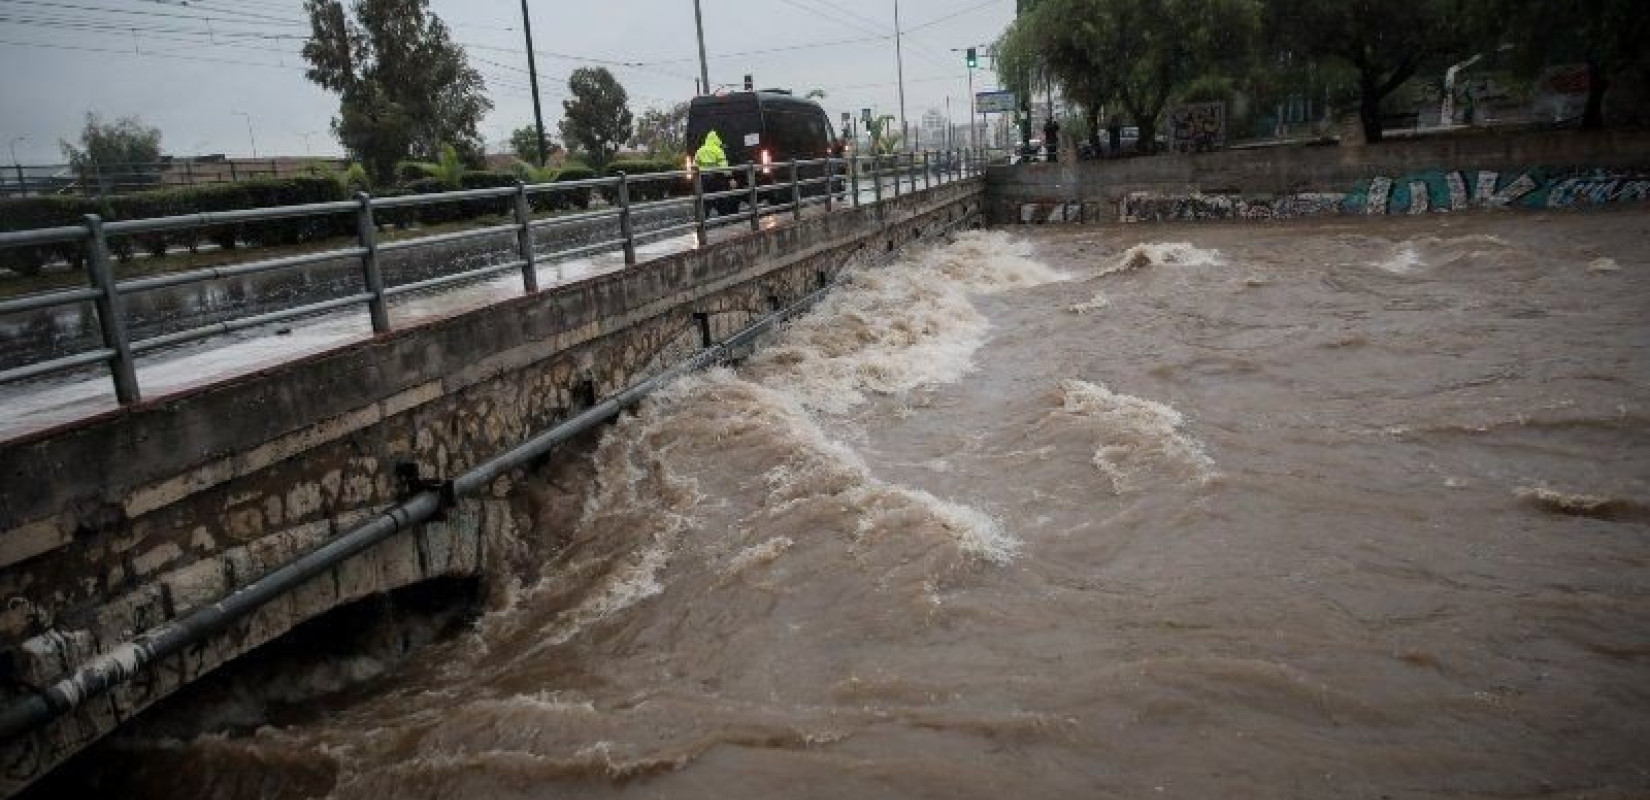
1197 127
1417 193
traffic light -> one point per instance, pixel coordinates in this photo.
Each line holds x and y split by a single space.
749 84
973 59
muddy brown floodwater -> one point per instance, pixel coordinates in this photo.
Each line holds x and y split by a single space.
1350 509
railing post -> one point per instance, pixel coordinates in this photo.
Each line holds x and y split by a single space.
876 177
233 176
927 179
524 240
897 175
624 220
367 234
698 177
853 177
796 193
756 197
830 184
111 312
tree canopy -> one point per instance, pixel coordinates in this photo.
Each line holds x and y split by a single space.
595 118
126 141
404 87
126 147
1608 36
1386 43
1139 53
663 131
524 144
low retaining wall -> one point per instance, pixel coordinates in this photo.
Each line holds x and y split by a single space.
115 525
1558 169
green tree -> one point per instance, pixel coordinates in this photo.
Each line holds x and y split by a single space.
1607 35
524 143
1140 53
884 138
126 150
404 87
596 118
663 131
1385 42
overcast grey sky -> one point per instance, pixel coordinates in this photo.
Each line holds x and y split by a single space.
187 67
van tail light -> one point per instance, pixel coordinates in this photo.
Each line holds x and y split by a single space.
767 163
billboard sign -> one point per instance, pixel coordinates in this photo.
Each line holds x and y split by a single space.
994 102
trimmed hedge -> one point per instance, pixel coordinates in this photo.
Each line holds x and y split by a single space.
50 211
453 211
28 213
644 191
571 198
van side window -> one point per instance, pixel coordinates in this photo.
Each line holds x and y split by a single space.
796 135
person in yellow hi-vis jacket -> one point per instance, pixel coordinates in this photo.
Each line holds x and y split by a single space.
710 153
711 156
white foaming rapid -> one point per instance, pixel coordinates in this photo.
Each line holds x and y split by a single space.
1404 259
1184 254
886 332
1095 303
1134 435
893 330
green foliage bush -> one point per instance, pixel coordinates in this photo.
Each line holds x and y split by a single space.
642 191
409 171
571 198
41 212
28 213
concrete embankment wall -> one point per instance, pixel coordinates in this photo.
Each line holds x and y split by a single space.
112 526
1556 169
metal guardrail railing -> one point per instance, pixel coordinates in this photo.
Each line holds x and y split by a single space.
99 179
754 185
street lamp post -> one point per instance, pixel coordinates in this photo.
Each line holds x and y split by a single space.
249 133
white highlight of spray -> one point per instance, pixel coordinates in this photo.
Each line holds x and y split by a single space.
893 330
1095 303
887 332
1184 254
1133 433
1404 260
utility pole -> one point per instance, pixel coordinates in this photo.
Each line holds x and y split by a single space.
533 76
899 63
704 69
249 133
22 186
